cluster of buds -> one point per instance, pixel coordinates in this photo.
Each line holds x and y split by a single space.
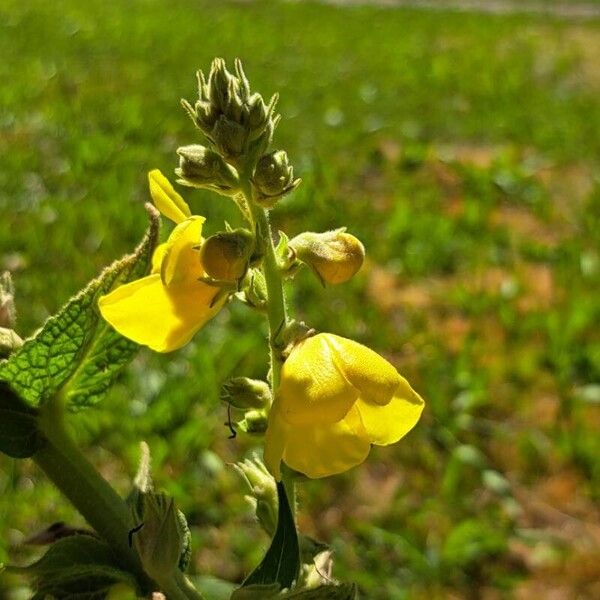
237 123
334 256
239 126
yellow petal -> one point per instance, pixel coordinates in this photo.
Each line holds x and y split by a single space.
323 450
313 389
166 199
374 377
275 441
387 424
157 257
181 259
150 314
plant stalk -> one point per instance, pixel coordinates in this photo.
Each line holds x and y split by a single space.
70 471
276 307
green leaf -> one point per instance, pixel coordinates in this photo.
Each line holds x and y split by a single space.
345 591
19 434
76 353
79 567
281 563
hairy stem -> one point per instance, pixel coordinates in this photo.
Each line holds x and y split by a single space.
276 306
70 471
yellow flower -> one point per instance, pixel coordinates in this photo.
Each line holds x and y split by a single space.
335 399
166 308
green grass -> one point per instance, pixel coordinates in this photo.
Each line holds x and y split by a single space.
461 148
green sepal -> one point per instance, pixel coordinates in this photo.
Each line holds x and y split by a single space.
80 566
281 563
19 433
76 353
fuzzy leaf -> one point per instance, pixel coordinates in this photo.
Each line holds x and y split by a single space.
76 352
281 563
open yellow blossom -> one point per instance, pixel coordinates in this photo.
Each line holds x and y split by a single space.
335 399
166 308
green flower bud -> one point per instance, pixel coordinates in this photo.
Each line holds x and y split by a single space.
335 256
201 167
254 422
263 492
225 255
238 124
244 393
255 289
229 138
161 541
274 177
223 88
257 113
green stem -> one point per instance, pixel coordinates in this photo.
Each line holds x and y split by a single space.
276 306
65 465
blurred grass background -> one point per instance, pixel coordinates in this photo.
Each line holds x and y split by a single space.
463 149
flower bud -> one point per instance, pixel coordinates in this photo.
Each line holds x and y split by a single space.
229 137
254 422
160 542
257 113
263 492
225 255
201 167
255 290
244 393
238 124
222 87
335 256
274 177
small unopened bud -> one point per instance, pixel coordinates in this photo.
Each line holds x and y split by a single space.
160 541
254 422
222 85
201 167
335 256
274 177
257 112
229 137
7 301
263 492
255 291
244 393
225 255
